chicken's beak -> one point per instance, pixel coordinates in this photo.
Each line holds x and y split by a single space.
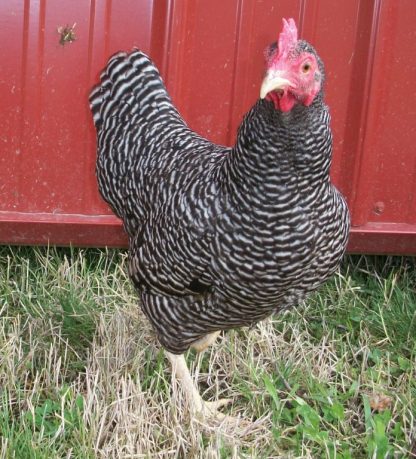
273 82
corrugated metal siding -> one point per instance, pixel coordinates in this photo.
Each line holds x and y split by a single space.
210 53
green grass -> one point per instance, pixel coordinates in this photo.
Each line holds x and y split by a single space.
82 376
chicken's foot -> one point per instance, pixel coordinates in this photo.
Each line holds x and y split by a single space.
196 403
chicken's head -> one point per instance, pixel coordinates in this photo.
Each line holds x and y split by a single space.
294 72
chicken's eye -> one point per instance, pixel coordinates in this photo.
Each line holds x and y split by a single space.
306 67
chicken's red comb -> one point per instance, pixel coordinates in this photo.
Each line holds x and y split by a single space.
288 37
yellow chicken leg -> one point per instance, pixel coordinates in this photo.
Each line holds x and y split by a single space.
181 372
201 344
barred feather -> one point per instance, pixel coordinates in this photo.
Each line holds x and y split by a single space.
218 237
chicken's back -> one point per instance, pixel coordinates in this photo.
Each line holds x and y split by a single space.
157 175
143 143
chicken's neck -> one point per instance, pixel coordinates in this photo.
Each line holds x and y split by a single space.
275 149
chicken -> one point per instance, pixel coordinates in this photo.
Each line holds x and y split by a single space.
220 237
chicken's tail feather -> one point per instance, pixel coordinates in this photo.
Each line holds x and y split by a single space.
129 79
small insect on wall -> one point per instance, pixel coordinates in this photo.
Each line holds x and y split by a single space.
211 57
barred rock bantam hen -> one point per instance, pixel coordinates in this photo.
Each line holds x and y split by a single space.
220 237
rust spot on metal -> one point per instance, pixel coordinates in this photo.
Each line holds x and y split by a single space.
67 34
378 208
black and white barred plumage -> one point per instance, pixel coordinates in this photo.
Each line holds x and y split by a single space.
218 237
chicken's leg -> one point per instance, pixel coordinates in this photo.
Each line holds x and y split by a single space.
181 371
196 403
201 344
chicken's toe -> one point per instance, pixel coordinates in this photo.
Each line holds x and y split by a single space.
214 406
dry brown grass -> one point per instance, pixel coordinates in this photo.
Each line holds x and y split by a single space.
106 390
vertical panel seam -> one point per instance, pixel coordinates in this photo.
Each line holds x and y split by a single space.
237 34
366 104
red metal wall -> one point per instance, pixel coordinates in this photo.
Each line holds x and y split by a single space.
211 56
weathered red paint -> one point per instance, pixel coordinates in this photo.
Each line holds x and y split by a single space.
210 54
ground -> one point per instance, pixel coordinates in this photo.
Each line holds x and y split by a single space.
81 375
